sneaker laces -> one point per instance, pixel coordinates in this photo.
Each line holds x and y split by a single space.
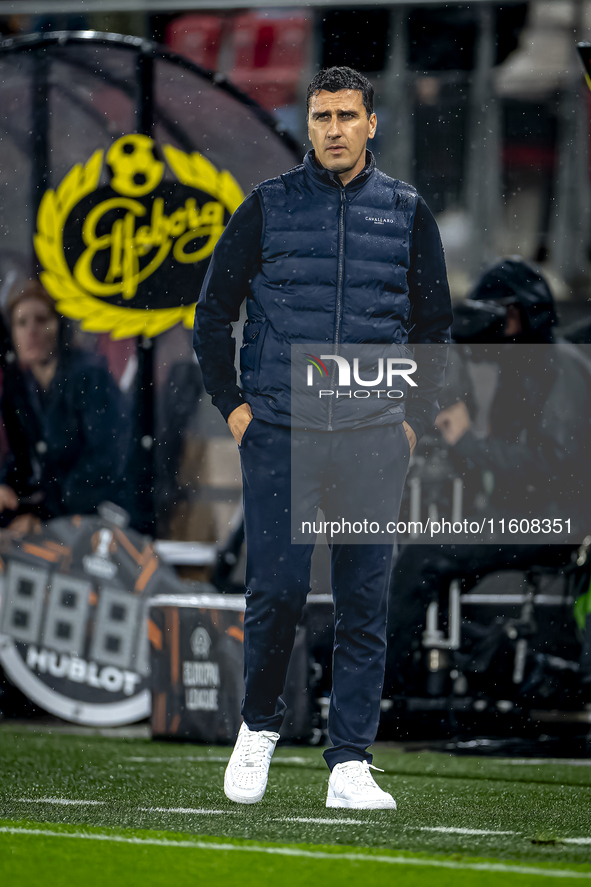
254 747
358 772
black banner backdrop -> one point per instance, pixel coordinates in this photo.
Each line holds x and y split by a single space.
120 165
585 54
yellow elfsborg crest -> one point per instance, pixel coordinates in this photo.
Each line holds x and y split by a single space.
128 257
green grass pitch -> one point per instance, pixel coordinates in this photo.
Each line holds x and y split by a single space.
90 810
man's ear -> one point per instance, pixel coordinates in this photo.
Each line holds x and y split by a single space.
373 122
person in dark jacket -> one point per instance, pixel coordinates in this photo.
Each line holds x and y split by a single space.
538 445
537 450
63 417
330 256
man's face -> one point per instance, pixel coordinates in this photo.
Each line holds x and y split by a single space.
339 128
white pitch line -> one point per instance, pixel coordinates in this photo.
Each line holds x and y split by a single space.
192 759
478 831
199 811
519 762
554 761
307 854
459 831
209 760
292 760
203 811
64 801
320 821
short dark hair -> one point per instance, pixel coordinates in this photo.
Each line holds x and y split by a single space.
337 78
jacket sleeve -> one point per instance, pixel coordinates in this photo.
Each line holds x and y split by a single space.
13 472
554 441
20 427
234 264
430 318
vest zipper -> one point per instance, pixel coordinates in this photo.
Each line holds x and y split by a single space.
339 307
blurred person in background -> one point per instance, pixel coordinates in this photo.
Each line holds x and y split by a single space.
538 426
63 416
536 448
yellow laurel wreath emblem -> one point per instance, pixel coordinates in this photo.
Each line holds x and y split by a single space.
94 314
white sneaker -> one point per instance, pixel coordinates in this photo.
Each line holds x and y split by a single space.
352 785
248 769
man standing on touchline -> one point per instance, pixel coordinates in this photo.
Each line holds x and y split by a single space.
335 252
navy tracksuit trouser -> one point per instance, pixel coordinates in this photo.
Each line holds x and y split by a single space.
278 581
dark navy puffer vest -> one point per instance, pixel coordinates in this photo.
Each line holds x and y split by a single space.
334 270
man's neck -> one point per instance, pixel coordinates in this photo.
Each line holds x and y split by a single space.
350 174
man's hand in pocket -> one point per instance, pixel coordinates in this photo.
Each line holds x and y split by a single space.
412 438
239 420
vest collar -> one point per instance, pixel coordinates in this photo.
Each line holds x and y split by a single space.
324 176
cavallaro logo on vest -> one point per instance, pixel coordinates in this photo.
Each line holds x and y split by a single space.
73 619
128 257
